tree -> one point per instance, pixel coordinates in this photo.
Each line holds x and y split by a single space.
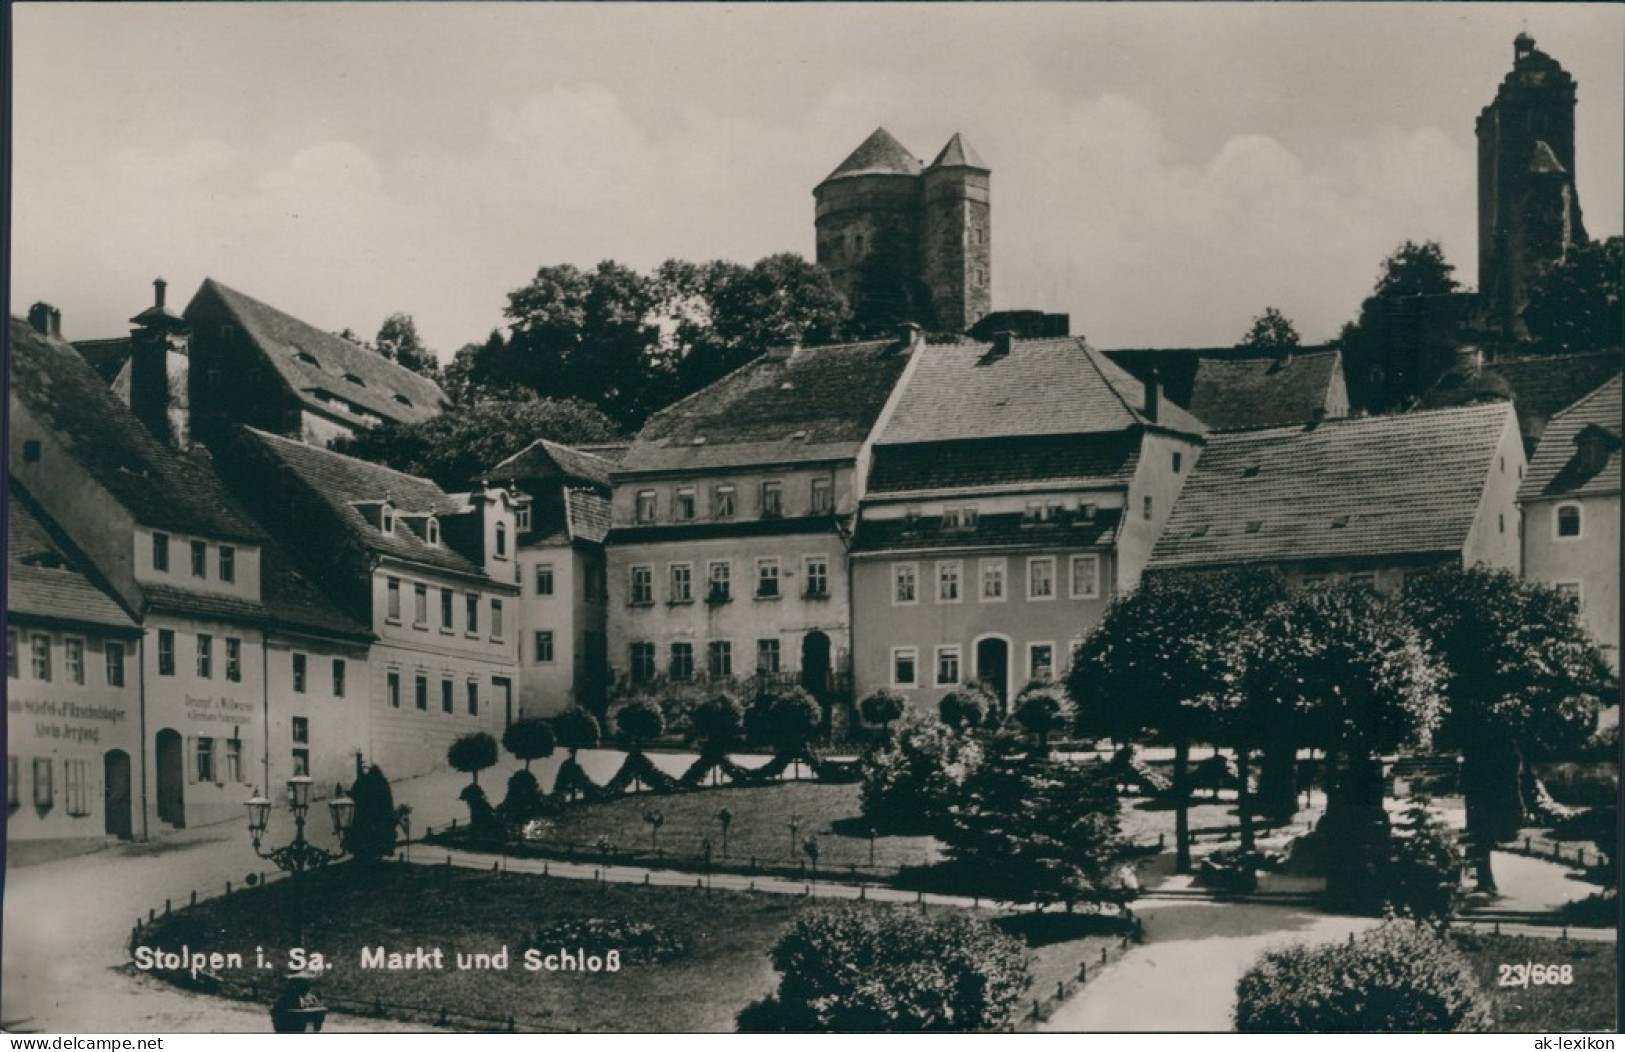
1042 709
464 442
1271 331
1416 270
1038 829
911 781
371 835
717 724
398 340
639 722
1424 868
1342 668
529 739
967 707
473 753
1575 306
1399 978
786 721
1525 680
1162 661
576 729
1376 379
882 706
851 970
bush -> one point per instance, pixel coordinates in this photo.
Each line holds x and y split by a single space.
968 707
576 729
473 753
785 722
371 835
883 707
1399 978
717 724
1042 709
639 722
856 970
529 739
524 797
1423 874
911 780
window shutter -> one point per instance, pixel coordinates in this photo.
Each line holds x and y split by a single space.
191 759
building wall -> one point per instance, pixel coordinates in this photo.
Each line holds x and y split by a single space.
60 733
231 383
859 217
573 612
319 430
956 245
181 573
1493 538
1589 561
1156 480
335 726
795 482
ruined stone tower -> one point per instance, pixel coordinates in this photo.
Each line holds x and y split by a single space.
904 241
1528 207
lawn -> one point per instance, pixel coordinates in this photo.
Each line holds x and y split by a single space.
707 955
1585 1005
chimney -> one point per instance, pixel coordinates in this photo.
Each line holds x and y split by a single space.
910 338
1469 360
160 367
45 319
1153 395
158 287
1003 340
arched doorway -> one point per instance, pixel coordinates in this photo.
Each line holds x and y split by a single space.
993 667
116 794
815 667
171 778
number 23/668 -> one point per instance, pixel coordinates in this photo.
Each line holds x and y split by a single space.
1529 974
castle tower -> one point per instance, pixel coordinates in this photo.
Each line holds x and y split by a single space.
1528 207
867 216
956 242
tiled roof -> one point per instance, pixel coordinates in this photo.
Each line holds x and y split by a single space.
1085 459
1260 391
1555 469
543 459
341 482
1542 387
610 451
45 577
159 487
991 531
959 154
815 404
879 154
589 515
311 360
1383 485
107 357
1042 387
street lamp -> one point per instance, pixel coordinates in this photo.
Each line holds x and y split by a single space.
301 854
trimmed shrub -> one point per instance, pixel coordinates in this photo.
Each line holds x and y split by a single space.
1399 978
968 707
717 724
1042 709
911 780
529 739
524 797
473 753
371 835
639 722
784 721
883 707
850 970
576 729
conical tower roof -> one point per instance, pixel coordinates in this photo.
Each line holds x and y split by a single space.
880 154
959 154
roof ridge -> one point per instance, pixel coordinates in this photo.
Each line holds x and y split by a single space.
1089 354
1351 421
332 454
1599 391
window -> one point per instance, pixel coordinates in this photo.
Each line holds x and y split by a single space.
73 659
1038 511
719 654
200 559
959 518
643 662
544 647
1041 660
420 606
113 653
392 610
1145 507
205 760
767 578
643 584
544 578
904 672
301 762
682 662
993 580
1568 521
823 497
299 670
1041 577
160 552
1085 576
471 607
299 728
772 500
41 645
14 777
680 582
44 791
502 540
446 603
816 570
682 509
1501 523
496 620
421 695
948 582
228 563
234 660
1568 588
387 517
234 760
719 581
446 704
431 531
947 666
521 517
11 655
1179 461
393 690
77 784
905 584
723 504
646 505
166 652
473 697
339 676
767 656
205 656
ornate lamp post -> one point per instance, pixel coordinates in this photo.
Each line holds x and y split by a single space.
301 854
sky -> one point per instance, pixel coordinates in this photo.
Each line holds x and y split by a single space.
1162 172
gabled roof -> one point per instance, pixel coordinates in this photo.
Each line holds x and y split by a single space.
991 531
962 391
342 482
159 487
1079 460
1260 391
879 154
547 460
1543 386
1369 486
810 405
312 361
1555 469
45 578
959 154
107 357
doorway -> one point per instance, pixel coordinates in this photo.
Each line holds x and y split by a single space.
171 778
815 667
993 668
116 794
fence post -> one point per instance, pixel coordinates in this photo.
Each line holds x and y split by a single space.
194 896
1083 971
1103 952
1060 990
166 907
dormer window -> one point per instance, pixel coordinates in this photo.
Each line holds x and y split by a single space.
307 358
431 530
403 399
646 506
772 500
387 520
522 518
502 540
354 379
1250 471
682 508
1593 451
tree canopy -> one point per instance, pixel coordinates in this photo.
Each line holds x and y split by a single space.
398 340
472 753
1575 306
529 739
1271 331
1416 270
